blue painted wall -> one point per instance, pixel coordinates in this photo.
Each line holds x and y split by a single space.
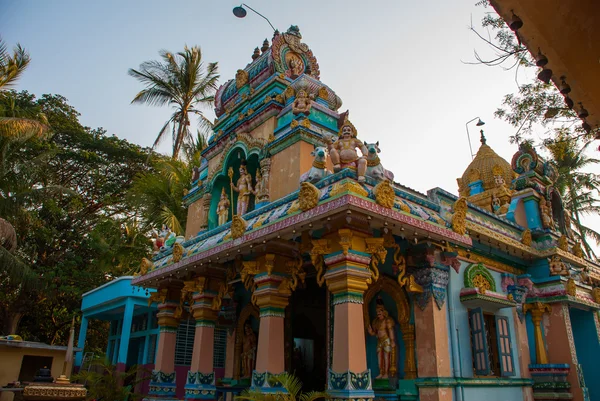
464 338
587 348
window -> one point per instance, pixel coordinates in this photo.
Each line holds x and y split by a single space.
490 341
184 345
220 348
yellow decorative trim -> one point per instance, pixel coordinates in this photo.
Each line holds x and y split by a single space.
345 240
348 186
384 194
459 218
159 296
571 287
54 392
177 252
308 197
323 93
294 124
526 238
481 283
375 247
305 123
249 270
488 262
320 247
577 251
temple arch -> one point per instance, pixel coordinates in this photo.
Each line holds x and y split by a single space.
248 312
393 290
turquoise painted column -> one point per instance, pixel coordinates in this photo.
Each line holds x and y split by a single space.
532 211
81 341
125 333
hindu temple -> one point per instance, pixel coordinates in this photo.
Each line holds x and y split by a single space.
302 254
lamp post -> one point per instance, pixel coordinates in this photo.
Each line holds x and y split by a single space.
479 124
241 12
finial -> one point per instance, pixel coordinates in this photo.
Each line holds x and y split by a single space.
276 33
482 139
256 54
265 46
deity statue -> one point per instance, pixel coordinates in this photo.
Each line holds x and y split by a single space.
223 208
244 188
302 103
383 328
343 151
546 214
248 351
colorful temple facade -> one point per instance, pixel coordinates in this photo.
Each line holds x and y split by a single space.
301 245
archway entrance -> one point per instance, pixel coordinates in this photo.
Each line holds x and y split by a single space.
307 345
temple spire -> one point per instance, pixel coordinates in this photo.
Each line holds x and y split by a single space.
482 139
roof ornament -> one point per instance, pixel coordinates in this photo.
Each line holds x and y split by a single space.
482 139
265 46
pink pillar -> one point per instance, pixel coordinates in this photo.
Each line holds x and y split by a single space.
271 350
523 352
433 355
346 279
163 383
200 383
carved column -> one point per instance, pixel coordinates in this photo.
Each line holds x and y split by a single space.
408 336
200 383
265 171
271 296
432 272
163 383
347 275
537 311
206 199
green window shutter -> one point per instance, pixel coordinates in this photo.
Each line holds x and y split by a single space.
507 365
481 360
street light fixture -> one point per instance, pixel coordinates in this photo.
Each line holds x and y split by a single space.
479 124
241 12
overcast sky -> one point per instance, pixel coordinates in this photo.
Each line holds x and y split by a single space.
397 65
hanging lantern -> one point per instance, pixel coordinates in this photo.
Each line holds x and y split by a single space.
540 59
545 75
569 102
564 86
515 22
583 113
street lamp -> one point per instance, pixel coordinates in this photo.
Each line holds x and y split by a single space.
479 124
241 12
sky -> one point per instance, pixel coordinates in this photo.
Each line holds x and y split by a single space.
399 66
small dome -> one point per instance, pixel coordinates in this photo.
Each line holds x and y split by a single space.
488 167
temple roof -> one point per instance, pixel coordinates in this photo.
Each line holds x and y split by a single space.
485 166
339 193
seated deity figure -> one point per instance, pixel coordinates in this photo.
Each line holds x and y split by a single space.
244 188
343 151
383 328
248 351
223 208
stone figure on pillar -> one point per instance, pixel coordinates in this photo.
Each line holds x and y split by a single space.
343 151
223 208
248 351
383 327
244 188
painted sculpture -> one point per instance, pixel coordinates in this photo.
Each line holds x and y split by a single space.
383 328
248 351
223 208
374 167
546 214
343 152
165 239
318 170
244 188
302 103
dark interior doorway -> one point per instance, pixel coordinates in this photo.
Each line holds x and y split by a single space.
31 364
308 318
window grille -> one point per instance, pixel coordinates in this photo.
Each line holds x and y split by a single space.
184 345
220 348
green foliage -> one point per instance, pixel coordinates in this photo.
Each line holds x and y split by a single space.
66 198
178 80
12 65
104 382
290 383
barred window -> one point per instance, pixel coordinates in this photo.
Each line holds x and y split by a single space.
220 348
184 345
152 348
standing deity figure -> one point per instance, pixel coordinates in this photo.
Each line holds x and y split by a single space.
383 328
244 188
546 214
248 351
223 208
343 151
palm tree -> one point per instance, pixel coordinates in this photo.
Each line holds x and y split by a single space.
12 66
180 81
578 189
290 384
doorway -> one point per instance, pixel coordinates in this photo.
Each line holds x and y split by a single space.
308 335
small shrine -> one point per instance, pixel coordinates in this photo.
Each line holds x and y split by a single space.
303 246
